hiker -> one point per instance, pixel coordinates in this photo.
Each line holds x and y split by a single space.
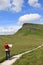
7 50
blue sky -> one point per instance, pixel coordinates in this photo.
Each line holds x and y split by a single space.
14 13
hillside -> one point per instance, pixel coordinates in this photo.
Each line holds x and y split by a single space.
33 58
27 29
28 37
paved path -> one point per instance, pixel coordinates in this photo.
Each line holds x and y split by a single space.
14 58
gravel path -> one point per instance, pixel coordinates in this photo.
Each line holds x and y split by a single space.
14 58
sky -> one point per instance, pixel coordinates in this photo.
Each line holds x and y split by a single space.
14 13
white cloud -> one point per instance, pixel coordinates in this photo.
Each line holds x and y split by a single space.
28 18
15 5
34 3
4 4
9 30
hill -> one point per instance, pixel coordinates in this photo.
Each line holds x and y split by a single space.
27 29
28 37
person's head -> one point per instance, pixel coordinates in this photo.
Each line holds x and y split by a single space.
6 43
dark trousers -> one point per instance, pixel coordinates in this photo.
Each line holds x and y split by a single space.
8 54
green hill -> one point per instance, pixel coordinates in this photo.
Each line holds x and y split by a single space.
28 37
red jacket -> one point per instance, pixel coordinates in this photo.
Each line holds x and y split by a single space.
6 47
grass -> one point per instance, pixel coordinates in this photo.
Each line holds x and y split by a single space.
22 41
32 58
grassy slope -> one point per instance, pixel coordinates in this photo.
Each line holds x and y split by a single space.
29 37
33 58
